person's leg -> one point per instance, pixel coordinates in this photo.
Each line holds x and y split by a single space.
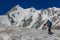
49 30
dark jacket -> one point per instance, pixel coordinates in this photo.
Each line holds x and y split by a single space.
49 23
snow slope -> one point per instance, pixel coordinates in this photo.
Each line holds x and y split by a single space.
30 17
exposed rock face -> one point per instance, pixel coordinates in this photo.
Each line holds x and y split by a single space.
30 17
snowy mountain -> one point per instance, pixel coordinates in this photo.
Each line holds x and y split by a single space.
30 17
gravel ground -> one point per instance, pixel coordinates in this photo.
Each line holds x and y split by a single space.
16 33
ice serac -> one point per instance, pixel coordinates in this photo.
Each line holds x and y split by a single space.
30 17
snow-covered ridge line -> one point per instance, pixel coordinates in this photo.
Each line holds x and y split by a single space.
30 17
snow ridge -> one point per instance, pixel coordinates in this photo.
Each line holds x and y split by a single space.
30 17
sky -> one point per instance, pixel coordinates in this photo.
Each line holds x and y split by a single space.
6 5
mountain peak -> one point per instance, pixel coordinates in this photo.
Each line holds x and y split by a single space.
15 8
18 6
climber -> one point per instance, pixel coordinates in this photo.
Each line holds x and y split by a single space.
49 24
